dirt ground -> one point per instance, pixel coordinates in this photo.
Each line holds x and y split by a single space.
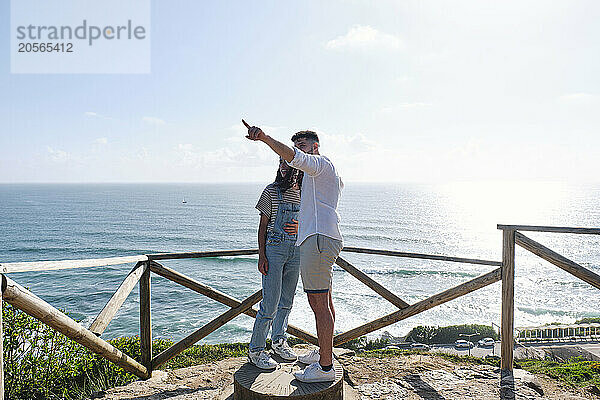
430 377
411 377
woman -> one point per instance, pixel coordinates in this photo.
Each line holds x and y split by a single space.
279 264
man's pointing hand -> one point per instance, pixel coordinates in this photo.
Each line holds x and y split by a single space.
254 133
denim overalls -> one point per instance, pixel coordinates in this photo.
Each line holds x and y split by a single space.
279 285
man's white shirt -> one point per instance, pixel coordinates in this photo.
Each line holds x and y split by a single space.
321 190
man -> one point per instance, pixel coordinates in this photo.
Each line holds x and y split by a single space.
319 240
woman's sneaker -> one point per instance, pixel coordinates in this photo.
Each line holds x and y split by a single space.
283 350
314 373
262 359
310 357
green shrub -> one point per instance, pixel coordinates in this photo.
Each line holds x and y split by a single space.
588 320
576 371
40 363
449 334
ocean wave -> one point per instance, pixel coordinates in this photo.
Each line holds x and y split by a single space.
544 311
411 272
378 238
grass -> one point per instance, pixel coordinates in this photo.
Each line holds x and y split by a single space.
575 372
200 354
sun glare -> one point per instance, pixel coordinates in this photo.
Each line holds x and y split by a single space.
483 205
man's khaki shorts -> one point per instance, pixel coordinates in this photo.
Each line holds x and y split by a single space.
317 256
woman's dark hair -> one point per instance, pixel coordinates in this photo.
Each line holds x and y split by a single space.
286 181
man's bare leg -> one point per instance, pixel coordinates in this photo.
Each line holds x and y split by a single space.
324 317
331 307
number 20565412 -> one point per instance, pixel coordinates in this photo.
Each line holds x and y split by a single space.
45 47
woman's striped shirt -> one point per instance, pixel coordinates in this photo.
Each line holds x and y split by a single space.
268 203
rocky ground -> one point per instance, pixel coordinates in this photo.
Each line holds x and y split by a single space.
411 377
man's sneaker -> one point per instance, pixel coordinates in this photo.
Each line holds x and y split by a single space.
310 357
283 350
314 373
262 359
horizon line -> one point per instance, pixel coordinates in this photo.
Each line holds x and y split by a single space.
478 180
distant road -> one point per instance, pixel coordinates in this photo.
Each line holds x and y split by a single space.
475 351
592 347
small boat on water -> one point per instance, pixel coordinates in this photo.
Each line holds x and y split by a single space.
184 201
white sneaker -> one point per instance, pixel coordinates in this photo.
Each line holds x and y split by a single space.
310 357
283 350
314 373
262 359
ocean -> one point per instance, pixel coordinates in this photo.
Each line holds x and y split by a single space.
76 221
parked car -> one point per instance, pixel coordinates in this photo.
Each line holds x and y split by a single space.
419 346
486 342
463 344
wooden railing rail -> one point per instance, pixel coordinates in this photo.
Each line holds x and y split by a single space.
550 229
30 266
201 254
6 268
436 257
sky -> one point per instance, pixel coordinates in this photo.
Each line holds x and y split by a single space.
402 91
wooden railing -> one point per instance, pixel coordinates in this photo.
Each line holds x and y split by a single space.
512 236
26 301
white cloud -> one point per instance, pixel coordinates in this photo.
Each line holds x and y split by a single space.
471 149
153 120
403 79
240 130
56 155
404 107
101 141
143 154
346 144
237 154
356 156
579 98
361 37
93 114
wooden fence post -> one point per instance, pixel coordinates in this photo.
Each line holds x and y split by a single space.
145 320
508 299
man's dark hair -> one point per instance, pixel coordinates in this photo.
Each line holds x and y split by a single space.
310 135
